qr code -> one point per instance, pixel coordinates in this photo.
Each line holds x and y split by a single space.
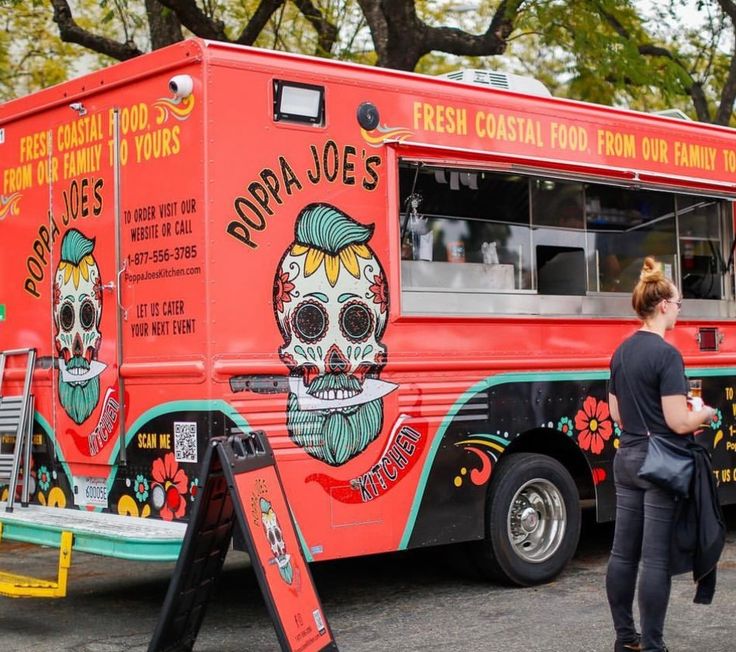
185 441
318 621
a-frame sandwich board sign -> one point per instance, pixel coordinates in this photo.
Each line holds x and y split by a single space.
241 488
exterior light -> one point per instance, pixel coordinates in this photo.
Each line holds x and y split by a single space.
79 108
294 102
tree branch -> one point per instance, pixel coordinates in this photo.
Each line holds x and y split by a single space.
378 26
401 38
647 49
729 8
326 31
255 25
492 42
728 95
71 32
694 88
163 25
192 17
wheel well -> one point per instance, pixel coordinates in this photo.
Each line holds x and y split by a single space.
546 441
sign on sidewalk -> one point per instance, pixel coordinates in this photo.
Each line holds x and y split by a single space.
241 488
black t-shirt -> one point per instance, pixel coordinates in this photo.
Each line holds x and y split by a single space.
654 369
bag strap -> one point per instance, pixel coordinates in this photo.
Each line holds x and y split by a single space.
633 395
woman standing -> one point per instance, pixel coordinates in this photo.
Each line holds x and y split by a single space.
648 370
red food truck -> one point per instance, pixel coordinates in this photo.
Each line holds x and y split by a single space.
413 285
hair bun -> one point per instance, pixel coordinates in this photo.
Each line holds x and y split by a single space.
651 271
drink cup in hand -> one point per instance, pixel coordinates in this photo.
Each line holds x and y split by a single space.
695 395
696 403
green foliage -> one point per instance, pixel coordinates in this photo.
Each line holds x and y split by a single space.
32 56
606 50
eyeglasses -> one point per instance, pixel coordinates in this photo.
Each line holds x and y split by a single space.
678 303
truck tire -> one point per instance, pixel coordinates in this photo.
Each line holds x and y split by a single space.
532 521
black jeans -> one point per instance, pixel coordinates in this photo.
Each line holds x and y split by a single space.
644 518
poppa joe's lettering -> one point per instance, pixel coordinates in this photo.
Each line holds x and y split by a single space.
329 163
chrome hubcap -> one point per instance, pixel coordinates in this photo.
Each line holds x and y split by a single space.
536 520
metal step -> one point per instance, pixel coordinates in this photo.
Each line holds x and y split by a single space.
11 585
22 586
124 537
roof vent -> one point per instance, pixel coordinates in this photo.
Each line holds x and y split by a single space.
497 79
672 113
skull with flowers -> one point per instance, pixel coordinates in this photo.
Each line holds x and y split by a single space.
331 305
77 315
275 536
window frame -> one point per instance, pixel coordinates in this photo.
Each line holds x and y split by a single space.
451 302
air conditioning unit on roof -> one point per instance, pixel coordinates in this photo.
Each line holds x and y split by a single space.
497 79
672 113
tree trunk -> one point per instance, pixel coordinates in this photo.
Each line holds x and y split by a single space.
163 25
700 102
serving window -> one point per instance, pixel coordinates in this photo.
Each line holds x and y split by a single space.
470 231
465 229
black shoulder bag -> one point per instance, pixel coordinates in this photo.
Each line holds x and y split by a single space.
668 464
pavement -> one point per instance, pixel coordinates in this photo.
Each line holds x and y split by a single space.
410 601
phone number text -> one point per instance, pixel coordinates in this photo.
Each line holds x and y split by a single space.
155 256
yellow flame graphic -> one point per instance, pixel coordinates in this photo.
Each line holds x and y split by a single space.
179 109
9 205
379 135
718 437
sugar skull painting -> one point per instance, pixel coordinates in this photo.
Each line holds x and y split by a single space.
331 304
77 315
275 537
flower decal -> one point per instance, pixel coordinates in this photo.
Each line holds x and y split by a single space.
169 488
194 489
44 478
717 420
564 425
594 425
616 435
57 295
599 475
282 290
97 289
141 488
380 291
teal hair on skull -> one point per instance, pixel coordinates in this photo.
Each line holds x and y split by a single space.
329 229
75 246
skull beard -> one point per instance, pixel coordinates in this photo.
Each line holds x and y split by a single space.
79 399
287 573
334 436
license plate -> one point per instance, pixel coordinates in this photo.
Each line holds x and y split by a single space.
90 491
